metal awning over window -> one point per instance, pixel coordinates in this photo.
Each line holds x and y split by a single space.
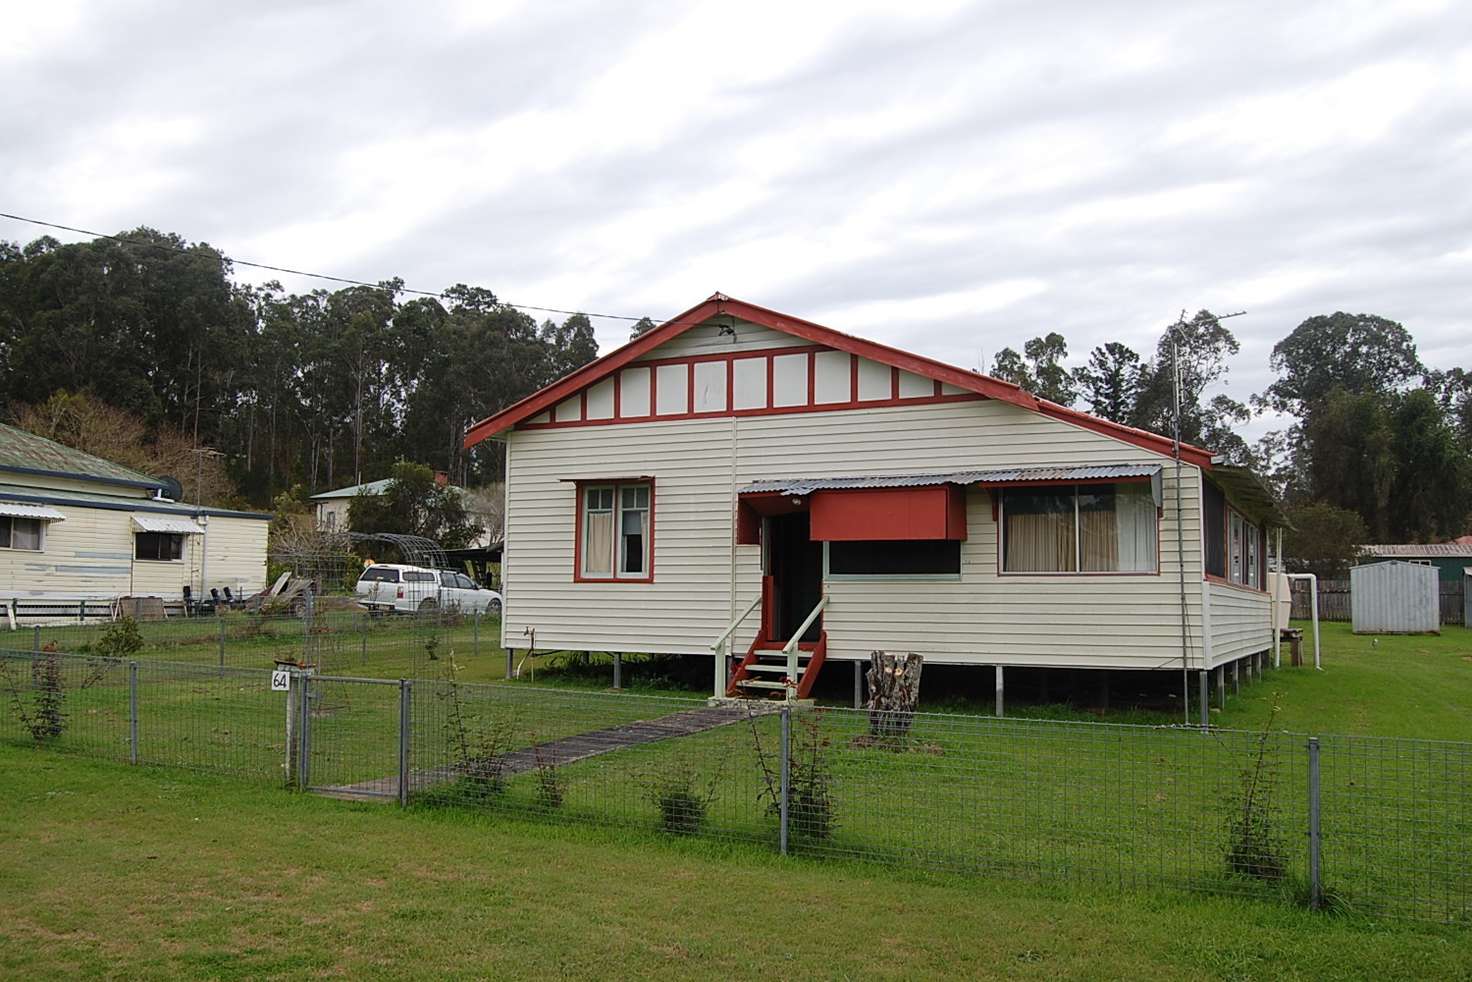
167 523
17 509
889 514
800 486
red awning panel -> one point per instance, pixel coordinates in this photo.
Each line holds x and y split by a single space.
889 514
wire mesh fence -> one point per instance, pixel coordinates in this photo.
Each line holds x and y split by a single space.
333 635
1381 826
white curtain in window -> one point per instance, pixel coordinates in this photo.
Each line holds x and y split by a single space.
1039 534
1134 505
598 547
25 534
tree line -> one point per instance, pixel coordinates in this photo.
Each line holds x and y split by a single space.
1378 448
316 390
143 345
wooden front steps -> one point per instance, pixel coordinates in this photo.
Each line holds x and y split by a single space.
763 672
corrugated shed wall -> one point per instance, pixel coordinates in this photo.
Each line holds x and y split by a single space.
1394 598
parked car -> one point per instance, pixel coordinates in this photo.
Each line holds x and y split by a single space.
407 589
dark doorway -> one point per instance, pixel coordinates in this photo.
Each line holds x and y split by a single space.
797 576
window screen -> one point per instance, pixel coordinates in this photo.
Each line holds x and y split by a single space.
20 533
895 558
1214 529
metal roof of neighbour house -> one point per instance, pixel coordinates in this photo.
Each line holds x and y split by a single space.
1428 550
24 452
1014 475
367 487
119 502
720 305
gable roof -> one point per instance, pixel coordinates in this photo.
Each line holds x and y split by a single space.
1426 550
352 491
719 304
23 452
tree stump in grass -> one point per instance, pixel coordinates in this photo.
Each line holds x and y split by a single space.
894 691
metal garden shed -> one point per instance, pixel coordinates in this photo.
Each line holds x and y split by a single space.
1394 598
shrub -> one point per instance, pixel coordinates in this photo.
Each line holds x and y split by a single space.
810 803
1254 844
122 639
681 803
551 786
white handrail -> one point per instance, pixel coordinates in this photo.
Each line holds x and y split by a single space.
790 648
719 647
726 634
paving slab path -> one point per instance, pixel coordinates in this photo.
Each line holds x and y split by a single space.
555 753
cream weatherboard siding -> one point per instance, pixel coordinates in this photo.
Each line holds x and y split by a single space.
1239 621
1111 621
90 555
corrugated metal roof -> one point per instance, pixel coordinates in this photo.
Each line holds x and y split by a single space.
1094 472
21 450
1426 550
368 487
117 502
17 509
167 523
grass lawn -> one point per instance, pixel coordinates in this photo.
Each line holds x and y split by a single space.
1404 686
121 872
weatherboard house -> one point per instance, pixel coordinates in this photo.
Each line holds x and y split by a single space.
78 531
740 480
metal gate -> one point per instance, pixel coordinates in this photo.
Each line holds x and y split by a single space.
347 737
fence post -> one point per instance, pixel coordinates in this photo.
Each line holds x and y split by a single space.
406 702
221 619
304 755
36 639
786 782
132 712
475 636
363 638
1315 864
618 670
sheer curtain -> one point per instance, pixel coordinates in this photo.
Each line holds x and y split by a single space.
1039 532
598 533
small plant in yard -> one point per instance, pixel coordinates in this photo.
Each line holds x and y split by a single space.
122 639
478 742
431 647
681 799
551 785
810 804
1254 845
44 715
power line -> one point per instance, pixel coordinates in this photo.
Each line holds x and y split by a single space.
437 294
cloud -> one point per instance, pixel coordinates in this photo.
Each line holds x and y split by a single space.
948 177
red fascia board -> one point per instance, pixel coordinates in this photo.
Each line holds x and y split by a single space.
719 304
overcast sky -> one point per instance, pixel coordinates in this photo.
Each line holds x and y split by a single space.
950 178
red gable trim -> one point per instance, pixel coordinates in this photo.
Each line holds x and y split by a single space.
719 304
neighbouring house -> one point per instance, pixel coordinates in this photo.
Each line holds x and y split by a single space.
76 528
739 466
330 509
1449 558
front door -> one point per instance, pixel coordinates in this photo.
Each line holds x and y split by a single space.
796 566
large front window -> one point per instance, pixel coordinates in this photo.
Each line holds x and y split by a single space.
1087 528
617 532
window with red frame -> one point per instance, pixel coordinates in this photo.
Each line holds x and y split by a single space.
617 534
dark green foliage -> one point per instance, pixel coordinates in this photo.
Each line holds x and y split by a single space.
1325 539
1039 369
1110 382
414 504
322 389
810 803
1359 353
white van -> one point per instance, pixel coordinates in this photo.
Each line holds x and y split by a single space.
408 589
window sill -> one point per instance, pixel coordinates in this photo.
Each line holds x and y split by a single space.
581 578
22 549
1222 581
179 562
1087 573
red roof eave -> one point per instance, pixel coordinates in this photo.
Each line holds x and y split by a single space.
719 304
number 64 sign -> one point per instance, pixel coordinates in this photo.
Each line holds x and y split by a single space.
280 680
